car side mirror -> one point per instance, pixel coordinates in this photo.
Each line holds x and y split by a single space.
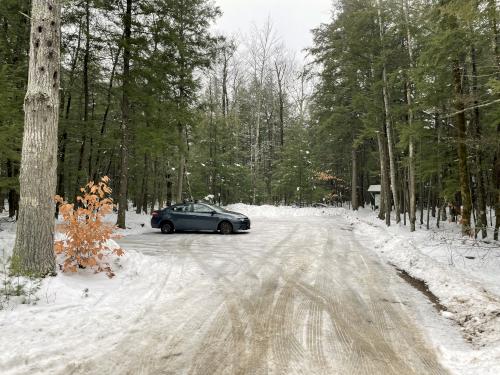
213 213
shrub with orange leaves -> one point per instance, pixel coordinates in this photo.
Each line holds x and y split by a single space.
324 176
86 235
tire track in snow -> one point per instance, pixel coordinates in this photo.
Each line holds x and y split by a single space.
308 302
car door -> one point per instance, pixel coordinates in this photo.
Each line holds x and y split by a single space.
204 217
180 217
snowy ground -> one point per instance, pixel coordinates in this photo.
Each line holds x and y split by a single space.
310 294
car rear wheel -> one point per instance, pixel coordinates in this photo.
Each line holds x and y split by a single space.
226 228
167 228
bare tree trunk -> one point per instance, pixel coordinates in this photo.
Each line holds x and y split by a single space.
404 196
388 124
497 192
154 187
34 245
429 198
482 221
462 150
382 207
122 197
280 72
146 185
170 190
385 179
411 146
61 184
13 195
139 197
224 85
97 165
354 185
496 164
81 180
182 165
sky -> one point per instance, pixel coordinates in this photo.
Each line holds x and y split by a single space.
292 19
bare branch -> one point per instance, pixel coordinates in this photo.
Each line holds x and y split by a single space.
473 107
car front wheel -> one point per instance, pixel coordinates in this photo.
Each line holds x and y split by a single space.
226 228
167 228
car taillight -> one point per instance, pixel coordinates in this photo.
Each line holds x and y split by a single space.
155 214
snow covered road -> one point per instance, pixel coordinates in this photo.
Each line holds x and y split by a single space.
301 296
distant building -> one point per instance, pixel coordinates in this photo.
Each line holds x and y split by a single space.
375 191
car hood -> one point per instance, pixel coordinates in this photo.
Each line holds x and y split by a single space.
236 215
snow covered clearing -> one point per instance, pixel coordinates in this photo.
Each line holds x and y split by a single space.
307 290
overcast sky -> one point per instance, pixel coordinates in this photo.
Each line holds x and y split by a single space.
292 19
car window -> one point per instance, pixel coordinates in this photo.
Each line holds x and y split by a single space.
201 208
181 209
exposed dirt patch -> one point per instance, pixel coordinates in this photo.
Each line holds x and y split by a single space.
423 288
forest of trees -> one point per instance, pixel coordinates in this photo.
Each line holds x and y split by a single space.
402 93
409 94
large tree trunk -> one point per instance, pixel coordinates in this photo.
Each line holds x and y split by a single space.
411 146
482 222
496 164
462 150
34 245
122 198
388 124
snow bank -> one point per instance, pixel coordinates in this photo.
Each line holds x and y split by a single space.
283 212
461 272
74 310
71 310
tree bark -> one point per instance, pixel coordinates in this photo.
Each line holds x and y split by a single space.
482 222
122 197
496 163
182 165
61 180
13 195
81 175
411 146
462 150
388 124
280 72
385 189
34 245
169 192
97 165
354 185
429 199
